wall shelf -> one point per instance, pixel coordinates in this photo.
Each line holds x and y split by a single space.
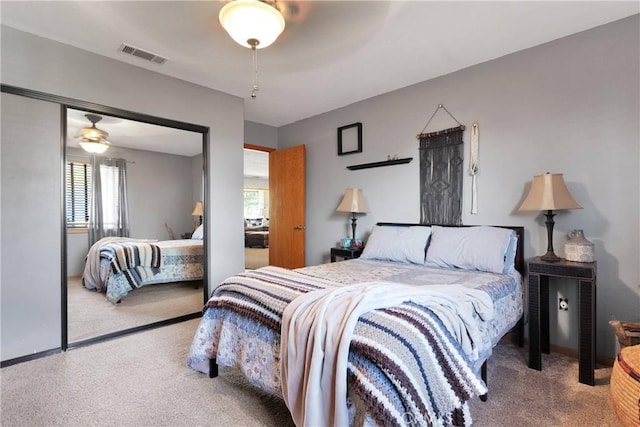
379 164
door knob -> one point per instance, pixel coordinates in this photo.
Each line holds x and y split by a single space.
300 227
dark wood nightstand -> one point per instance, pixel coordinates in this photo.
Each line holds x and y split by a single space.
346 253
538 273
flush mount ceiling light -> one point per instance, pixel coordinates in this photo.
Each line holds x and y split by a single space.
92 139
254 24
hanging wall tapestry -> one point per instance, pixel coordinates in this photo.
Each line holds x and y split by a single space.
441 172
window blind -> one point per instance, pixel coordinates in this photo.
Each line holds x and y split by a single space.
78 194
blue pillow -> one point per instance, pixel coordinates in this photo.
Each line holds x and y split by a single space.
397 243
470 248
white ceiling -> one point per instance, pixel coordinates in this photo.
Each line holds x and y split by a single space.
136 135
331 54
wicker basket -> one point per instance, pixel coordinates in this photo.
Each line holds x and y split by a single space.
628 333
625 386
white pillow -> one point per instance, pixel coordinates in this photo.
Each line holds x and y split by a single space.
469 248
199 233
397 243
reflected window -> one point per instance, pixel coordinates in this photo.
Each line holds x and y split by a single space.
78 194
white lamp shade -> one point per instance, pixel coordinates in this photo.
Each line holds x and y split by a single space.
198 209
353 201
94 147
548 192
251 19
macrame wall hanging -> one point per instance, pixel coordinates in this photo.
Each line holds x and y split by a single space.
441 173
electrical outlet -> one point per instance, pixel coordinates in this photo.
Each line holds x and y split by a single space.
563 304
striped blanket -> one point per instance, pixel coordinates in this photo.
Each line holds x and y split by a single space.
403 363
126 257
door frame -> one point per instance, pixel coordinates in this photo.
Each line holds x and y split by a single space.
256 148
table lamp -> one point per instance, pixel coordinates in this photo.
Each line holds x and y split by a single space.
198 211
549 193
353 201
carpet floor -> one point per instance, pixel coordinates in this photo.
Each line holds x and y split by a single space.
90 314
256 258
142 380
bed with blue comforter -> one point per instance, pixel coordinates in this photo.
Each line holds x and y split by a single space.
117 265
394 337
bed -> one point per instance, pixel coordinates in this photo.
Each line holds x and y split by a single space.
401 335
117 266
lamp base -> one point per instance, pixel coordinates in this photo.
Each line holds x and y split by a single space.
550 257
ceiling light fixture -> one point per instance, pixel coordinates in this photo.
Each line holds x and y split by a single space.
254 24
92 139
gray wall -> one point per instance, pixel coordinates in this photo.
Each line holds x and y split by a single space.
160 190
30 305
569 106
259 134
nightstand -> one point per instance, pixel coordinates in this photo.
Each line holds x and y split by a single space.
346 253
538 273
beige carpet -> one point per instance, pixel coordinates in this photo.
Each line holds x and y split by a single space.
142 380
519 396
256 258
90 313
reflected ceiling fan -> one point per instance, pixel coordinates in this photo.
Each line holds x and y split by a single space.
92 139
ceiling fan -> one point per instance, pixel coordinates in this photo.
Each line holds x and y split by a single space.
92 139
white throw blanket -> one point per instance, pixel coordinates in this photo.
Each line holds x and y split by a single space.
316 333
91 277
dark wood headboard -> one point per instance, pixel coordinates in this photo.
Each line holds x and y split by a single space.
519 259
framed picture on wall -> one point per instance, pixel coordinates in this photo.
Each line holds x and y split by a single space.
350 139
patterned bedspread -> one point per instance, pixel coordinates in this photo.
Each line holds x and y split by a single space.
241 327
127 265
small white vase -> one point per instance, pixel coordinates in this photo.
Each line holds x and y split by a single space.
578 248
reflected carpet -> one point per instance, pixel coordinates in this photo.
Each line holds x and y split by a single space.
90 313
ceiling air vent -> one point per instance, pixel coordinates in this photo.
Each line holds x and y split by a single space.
142 54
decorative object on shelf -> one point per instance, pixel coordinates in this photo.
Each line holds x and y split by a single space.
345 242
353 202
549 193
378 164
254 24
92 139
578 248
350 139
198 210
473 167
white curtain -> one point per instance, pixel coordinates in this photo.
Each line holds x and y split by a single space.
109 212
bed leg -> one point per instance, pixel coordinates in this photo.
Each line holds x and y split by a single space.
483 374
520 327
213 368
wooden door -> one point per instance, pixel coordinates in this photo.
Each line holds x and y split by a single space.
287 207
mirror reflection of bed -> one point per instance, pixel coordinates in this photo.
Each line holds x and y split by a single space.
164 181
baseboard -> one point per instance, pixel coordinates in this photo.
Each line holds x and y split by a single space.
29 357
565 351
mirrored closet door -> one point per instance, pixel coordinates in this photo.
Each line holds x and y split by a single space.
131 214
